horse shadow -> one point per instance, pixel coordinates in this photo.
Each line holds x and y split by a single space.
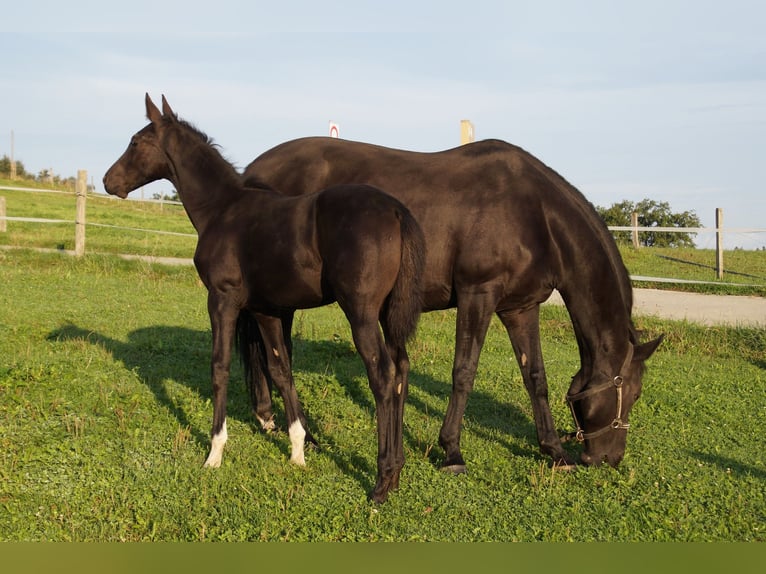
160 353
430 398
730 465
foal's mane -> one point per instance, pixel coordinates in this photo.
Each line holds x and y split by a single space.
205 151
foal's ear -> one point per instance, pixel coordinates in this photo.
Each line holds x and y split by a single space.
166 109
645 350
152 112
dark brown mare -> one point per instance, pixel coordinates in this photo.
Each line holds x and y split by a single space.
262 255
503 230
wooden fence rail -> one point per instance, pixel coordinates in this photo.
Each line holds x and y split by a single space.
80 224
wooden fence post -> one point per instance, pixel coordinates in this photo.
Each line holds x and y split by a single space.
3 227
719 242
81 189
634 225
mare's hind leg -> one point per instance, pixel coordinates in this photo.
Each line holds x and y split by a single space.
524 330
473 316
381 373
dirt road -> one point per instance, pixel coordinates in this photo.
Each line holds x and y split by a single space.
697 308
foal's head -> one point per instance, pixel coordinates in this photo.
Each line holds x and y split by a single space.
145 159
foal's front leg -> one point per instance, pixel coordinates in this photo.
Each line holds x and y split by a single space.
223 319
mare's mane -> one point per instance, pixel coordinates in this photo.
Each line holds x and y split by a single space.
598 225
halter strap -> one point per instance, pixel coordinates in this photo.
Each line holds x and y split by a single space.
580 435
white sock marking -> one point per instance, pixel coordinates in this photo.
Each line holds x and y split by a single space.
216 448
297 438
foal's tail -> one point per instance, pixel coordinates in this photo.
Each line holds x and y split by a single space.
405 302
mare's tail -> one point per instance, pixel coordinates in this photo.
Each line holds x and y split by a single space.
405 302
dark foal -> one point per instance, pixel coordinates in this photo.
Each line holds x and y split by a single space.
262 255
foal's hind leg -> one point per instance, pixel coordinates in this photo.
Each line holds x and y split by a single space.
398 353
524 331
381 373
280 368
274 330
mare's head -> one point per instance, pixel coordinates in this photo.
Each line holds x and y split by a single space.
145 159
601 411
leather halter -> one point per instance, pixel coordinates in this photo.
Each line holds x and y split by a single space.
580 435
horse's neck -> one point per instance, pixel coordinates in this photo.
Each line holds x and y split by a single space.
601 320
206 188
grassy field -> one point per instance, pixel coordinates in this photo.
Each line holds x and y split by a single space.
746 267
105 410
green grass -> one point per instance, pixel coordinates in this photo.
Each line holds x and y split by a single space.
105 411
748 267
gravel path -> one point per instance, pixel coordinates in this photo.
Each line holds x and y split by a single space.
731 310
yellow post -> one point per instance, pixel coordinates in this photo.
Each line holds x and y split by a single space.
466 132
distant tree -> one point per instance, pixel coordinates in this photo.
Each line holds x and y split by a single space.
651 214
166 197
5 167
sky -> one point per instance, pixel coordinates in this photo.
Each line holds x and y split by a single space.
664 100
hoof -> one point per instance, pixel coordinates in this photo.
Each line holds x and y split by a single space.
385 485
379 495
378 498
563 465
267 425
454 468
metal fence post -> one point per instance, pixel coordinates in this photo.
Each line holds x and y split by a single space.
3 227
81 189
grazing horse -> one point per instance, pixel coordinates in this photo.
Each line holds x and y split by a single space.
503 230
262 255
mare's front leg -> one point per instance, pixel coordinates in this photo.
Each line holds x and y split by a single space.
524 330
278 362
223 319
473 315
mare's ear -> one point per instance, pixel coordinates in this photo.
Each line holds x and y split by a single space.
166 109
645 350
152 112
